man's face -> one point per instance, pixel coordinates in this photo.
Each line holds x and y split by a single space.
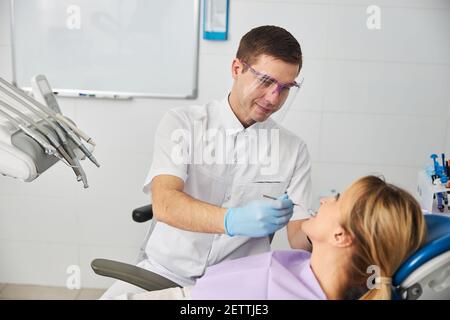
262 89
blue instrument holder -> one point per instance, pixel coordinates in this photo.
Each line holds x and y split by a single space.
215 19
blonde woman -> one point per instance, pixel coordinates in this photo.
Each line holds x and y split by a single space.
372 227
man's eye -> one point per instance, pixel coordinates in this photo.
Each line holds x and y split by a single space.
265 81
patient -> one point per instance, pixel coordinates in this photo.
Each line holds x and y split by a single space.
371 224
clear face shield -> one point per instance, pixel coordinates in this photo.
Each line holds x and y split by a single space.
270 95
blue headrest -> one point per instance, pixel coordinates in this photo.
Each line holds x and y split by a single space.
437 242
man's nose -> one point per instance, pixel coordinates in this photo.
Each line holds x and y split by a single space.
272 95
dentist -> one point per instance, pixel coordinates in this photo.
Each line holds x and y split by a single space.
212 165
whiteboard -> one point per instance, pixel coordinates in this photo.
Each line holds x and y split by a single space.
136 48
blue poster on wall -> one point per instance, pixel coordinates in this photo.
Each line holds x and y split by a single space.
215 21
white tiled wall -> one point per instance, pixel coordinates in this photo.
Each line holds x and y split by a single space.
380 139
373 101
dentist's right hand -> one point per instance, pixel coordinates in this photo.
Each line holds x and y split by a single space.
259 218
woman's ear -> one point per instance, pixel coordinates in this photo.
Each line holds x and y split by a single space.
341 238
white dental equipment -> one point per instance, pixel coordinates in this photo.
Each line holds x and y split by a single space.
29 142
43 94
49 112
64 150
49 149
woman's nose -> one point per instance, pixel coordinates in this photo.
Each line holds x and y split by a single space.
325 200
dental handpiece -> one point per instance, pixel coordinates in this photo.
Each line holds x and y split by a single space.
13 95
81 175
77 141
78 169
42 88
310 211
77 130
55 117
72 136
71 157
65 150
46 132
59 116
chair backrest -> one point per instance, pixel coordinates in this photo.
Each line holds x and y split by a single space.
437 242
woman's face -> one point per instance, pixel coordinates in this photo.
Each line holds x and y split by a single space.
325 226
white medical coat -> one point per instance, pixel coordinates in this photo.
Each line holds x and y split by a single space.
208 148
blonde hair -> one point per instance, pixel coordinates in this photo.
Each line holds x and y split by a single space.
387 226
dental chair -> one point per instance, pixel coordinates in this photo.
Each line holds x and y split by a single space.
132 274
425 275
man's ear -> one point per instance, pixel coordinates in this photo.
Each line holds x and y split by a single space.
341 238
236 68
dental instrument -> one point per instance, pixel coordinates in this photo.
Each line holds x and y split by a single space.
435 163
310 211
32 139
47 133
70 155
43 94
51 114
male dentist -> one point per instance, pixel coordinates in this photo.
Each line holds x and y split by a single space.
214 164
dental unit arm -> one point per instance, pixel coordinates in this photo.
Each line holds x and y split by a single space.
34 136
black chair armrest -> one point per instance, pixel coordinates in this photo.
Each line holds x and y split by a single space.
143 214
137 276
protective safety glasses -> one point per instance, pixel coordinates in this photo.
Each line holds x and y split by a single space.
266 82
275 93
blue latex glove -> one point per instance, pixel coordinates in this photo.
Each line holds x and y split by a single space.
259 218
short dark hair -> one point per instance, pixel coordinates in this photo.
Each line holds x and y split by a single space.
272 41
